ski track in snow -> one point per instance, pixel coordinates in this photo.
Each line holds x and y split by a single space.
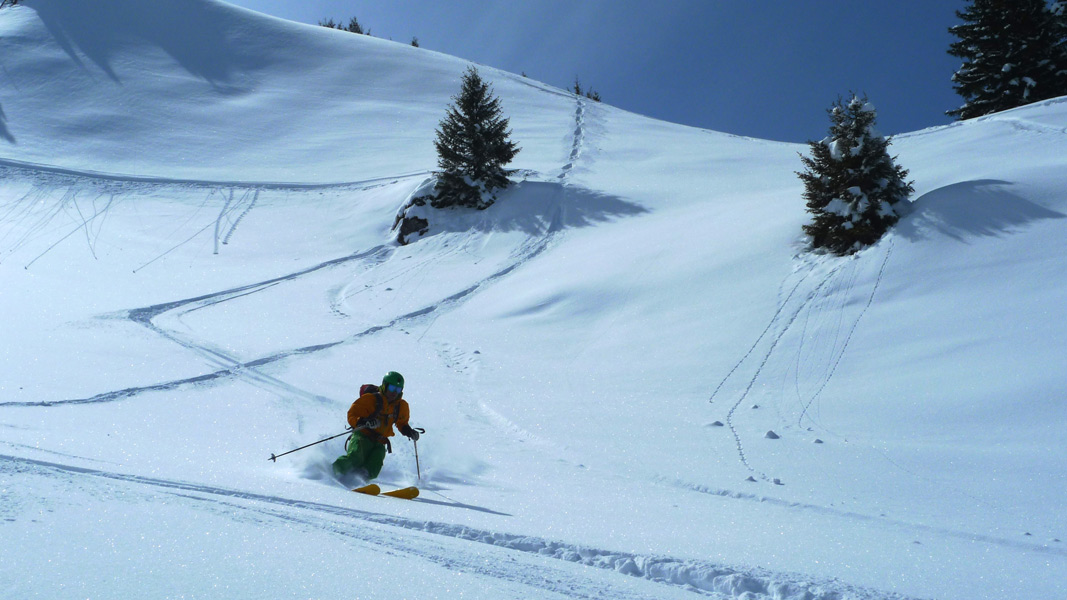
836 283
777 338
578 140
230 367
781 325
458 360
866 518
248 209
701 577
848 338
693 575
841 286
38 211
34 208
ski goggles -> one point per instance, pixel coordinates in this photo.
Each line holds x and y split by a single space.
393 388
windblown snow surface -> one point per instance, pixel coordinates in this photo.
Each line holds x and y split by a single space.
197 271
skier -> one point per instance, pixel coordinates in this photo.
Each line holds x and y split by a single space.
373 415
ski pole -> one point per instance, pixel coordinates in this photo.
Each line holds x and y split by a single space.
274 458
418 470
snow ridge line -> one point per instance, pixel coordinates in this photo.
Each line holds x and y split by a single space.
45 182
1005 115
702 576
34 169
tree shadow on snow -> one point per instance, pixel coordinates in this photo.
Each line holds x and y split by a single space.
537 208
193 35
971 209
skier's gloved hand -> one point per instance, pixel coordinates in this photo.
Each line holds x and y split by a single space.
410 433
368 423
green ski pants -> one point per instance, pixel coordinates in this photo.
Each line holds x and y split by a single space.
361 453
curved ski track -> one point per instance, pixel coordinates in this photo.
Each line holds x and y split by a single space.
229 366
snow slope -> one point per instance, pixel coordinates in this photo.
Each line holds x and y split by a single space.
196 270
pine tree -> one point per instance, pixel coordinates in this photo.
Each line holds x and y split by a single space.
473 146
578 91
1013 52
352 27
1059 17
851 184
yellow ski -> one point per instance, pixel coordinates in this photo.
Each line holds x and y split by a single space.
408 493
371 489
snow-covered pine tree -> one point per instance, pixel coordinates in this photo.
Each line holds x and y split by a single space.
851 184
473 146
1059 15
1013 52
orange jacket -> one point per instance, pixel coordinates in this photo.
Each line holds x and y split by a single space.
395 413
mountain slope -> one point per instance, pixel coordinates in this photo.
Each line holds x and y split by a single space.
195 203
200 89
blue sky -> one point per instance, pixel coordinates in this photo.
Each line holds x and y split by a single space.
762 69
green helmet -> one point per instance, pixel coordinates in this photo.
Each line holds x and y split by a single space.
393 378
